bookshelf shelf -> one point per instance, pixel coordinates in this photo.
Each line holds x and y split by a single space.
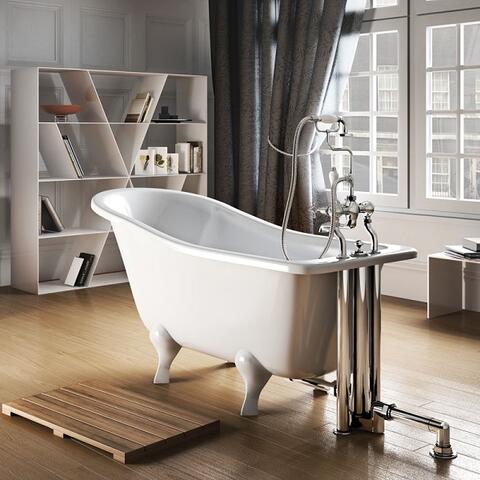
79 179
72 232
100 280
106 148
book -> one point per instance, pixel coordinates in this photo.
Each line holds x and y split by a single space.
472 244
138 108
196 157
184 151
73 271
82 276
464 252
49 219
73 156
147 108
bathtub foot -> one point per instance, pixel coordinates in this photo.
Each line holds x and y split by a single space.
255 377
167 349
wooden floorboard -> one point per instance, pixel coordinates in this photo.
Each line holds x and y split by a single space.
94 337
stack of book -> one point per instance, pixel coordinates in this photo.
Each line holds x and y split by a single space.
470 249
79 269
139 108
73 157
190 157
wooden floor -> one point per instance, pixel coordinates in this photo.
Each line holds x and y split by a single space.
51 341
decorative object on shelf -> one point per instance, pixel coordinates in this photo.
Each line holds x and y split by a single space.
159 154
82 276
73 157
472 244
74 271
139 108
196 157
165 117
172 164
142 163
459 251
184 163
174 120
61 112
48 219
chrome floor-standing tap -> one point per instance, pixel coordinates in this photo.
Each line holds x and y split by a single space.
357 386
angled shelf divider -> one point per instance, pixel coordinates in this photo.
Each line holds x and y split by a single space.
106 148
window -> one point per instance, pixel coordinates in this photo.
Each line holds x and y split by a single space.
446 155
374 109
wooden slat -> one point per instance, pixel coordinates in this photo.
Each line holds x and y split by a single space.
145 401
102 423
127 435
133 407
116 414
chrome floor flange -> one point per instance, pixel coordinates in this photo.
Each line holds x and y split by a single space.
358 363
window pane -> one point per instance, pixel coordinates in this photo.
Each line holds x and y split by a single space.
443 177
387 134
471 178
387 93
357 143
472 90
358 94
361 63
443 88
471 41
359 133
326 161
361 172
387 174
358 125
444 46
387 51
443 134
471 140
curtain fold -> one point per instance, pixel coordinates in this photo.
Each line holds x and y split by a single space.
273 62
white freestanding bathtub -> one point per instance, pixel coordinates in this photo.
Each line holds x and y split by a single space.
209 277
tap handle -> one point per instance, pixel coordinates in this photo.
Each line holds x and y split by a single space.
367 207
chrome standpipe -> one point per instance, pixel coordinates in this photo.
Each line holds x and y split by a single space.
359 363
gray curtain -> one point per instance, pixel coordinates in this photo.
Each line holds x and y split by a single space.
273 62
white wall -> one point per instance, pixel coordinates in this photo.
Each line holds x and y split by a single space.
155 35
428 234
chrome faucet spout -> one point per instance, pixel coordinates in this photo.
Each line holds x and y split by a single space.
368 208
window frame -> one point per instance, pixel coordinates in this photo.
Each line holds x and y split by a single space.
418 119
383 13
421 7
399 200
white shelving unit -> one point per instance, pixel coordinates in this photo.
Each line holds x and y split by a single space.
106 147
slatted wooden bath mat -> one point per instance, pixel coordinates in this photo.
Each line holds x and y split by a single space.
125 423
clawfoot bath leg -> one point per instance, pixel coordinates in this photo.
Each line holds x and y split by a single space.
167 349
255 377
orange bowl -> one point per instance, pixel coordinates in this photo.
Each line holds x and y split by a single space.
62 109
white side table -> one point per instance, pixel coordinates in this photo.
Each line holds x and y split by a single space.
445 285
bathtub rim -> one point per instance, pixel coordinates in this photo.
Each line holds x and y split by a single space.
389 252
